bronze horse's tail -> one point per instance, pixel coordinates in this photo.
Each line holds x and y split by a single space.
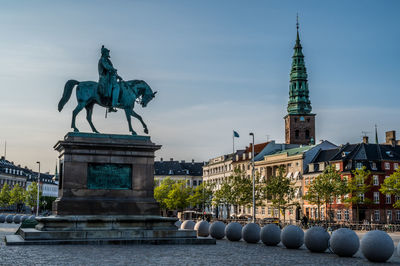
69 86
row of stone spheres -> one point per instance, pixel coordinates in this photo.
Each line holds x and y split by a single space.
376 245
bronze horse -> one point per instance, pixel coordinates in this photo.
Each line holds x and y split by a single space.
87 94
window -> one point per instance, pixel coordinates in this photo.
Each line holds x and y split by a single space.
373 166
389 215
377 215
337 167
346 215
263 210
376 180
307 134
276 212
395 166
376 197
359 165
388 199
396 198
387 166
361 197
339 215
269 211
398 215
360 180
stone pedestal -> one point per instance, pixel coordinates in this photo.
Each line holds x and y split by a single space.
106 187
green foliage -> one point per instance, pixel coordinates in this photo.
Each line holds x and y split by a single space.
178 196
201 195
17 195
162 190
31 195
5 196
360 184
391 186
280 190
325 187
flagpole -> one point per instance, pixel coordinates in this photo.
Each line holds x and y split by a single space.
233 143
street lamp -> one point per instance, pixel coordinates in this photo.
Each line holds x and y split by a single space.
252 175
38 189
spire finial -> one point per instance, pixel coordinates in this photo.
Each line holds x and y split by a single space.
297 21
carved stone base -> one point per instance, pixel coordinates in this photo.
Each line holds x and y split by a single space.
95 229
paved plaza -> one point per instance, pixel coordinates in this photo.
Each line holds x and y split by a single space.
223 253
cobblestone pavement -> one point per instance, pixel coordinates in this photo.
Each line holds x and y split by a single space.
223 253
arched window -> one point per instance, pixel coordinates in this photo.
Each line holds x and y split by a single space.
307 134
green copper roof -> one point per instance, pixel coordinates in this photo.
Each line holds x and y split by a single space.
295 151
299 102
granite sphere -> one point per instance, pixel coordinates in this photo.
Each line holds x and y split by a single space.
271 234
2 218
398 249
32 217
24 217
316 239
17 219
292 236
217 230
344 242
251 233
178 223
233 231
202 228
377 246
188 225
9 218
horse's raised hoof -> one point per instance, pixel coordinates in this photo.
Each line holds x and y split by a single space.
133 133
76 130
146 131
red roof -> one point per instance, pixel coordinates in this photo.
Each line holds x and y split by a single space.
257 147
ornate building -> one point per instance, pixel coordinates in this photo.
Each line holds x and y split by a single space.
299 122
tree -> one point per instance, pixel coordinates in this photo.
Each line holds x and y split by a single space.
325 187
357 187
5 196
177 198
201 196
280 191
17 196
391 186
161 192
223 196
31 195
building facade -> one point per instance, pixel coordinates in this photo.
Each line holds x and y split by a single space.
381 160
190 172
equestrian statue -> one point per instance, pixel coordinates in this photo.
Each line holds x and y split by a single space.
111 92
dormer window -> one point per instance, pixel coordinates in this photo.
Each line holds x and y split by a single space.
373 166
345 153
171 172
359 165
389 153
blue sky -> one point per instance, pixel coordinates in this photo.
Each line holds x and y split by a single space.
217 66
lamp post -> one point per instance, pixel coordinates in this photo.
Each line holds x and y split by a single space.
38 190
253 177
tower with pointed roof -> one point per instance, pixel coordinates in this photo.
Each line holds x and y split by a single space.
299 122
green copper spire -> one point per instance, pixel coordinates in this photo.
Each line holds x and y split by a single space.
299 102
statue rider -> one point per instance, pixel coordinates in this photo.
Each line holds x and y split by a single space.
108 85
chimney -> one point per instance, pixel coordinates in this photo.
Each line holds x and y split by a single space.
3 158
161 159
183 161
365 139
192 160
171 159
391 137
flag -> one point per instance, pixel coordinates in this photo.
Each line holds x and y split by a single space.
235 134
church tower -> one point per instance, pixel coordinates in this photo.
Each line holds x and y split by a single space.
299 122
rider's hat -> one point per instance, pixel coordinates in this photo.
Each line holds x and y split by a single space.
104 51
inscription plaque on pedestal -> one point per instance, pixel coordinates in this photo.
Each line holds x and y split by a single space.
109 176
